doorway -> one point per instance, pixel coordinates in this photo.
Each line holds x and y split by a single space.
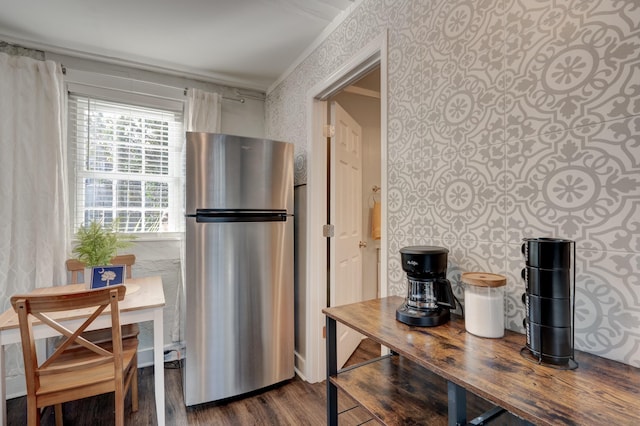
353 198
310 360
362 101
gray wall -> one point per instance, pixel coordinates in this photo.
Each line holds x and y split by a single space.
507 119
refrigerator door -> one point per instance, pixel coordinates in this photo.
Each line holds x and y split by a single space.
234 172
239 307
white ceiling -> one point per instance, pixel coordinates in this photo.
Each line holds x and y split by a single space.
243 43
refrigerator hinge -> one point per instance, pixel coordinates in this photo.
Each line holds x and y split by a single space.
329 130
327 230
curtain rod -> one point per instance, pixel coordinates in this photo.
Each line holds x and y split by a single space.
225 98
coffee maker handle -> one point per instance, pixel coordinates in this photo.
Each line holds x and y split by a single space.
444 294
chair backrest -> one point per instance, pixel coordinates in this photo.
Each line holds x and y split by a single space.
124 259
32 308
75 266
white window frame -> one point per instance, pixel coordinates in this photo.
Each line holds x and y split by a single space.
138 93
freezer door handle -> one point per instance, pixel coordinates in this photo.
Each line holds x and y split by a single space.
217 216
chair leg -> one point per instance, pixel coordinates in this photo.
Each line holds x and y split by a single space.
58 411
119 400
134 385
33 413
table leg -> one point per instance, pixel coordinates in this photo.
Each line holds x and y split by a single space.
332 369
457 404
158 364
3 389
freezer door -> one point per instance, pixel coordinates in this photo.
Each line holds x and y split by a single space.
239 308
233 172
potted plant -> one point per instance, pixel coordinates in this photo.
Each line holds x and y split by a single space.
97 245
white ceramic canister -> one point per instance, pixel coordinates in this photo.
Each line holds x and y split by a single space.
484 303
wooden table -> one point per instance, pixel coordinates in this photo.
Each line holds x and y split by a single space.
144 301
598 392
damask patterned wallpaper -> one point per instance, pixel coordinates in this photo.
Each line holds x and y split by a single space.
507 119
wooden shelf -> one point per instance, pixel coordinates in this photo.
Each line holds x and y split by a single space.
395 391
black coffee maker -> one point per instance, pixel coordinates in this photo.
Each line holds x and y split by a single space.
429 294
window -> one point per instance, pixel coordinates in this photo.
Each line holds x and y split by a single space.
127 165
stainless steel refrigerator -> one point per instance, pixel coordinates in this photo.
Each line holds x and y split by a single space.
239 266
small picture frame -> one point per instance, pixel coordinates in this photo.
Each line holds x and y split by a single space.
104 276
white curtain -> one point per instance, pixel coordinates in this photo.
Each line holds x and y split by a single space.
33 187
203 113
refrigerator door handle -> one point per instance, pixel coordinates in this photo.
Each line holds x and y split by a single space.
217 216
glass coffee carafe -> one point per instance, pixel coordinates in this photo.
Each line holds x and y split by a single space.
429 294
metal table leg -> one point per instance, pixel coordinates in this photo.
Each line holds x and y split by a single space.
457 404
332 369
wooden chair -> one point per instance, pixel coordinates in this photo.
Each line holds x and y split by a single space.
78 368
104 335
125 259
76 267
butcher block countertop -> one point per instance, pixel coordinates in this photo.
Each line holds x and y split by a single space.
598 392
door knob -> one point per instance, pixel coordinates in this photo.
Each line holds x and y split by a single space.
362 244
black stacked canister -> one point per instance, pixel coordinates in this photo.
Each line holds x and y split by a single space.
549 300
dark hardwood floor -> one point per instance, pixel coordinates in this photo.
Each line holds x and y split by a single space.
294 402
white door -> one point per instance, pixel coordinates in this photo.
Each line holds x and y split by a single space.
345 262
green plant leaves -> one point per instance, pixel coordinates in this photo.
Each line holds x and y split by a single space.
97 245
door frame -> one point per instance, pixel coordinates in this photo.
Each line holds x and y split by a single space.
368 58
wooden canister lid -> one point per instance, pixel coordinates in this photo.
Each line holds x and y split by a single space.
483 279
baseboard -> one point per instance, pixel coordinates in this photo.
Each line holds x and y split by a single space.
299 374
145 357
15 387
300 365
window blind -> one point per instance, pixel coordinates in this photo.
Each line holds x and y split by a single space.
127 165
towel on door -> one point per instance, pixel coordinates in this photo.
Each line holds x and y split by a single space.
375 221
